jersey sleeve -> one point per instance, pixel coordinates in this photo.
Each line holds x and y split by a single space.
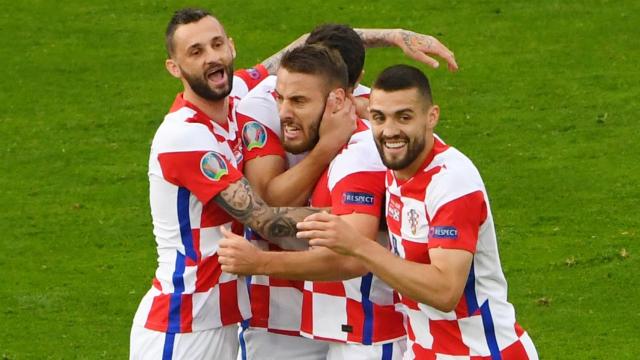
247 79
258 140
362 91
456 223
361 192
203 173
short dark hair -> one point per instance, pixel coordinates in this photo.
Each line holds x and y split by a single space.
346 41
403 77
182 17
316 60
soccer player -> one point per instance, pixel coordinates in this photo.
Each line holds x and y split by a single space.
276 303
444 258
196 186
355 318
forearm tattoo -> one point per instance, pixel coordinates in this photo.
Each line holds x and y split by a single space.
276 224
376 38
272 63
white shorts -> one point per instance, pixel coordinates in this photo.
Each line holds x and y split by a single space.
257 344
389 351
219 343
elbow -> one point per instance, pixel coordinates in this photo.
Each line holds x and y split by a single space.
447 300
446 305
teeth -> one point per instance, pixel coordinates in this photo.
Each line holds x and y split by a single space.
394 145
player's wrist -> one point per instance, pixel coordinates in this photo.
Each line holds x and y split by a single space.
326 149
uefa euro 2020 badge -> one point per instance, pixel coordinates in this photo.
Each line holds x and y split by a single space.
254 135
213 166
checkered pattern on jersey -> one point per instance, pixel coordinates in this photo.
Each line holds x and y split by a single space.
360 310
192 159
445 205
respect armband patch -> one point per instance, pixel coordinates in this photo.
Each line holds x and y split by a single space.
254 135
443 232
358 198
213 166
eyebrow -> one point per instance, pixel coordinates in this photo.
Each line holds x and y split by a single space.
199 44
397 112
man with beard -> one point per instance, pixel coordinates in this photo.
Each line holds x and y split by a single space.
276 303
349 319
196 187
444 261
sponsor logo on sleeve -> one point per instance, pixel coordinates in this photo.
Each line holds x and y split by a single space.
254 135
213 166
358 198
443 232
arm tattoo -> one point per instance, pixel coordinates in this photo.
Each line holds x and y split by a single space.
272 63
277 224
376 38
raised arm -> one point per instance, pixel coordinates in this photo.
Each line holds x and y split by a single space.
414 45
419 47
277 224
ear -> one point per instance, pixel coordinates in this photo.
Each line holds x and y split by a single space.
232 45
433 116
340 96
173 68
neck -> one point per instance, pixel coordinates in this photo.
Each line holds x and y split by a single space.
215 110
410 171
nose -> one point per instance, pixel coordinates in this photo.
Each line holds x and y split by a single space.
284 110
388 129
211 55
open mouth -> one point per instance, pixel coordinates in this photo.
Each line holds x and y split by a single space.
394 145
216 75
291 131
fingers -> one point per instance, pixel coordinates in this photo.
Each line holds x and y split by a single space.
330 106
319 216
434 47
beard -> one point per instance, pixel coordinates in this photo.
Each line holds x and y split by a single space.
313 136
200 84
414 147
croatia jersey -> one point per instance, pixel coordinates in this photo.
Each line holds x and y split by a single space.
359 310
276 303
192 159
445 205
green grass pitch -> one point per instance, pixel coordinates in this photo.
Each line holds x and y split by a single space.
546 104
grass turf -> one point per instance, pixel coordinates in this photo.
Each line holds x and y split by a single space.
545 104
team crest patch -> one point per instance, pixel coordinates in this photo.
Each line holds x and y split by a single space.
413 220
444 232
213 166
254 135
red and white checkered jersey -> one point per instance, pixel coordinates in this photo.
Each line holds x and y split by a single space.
445 205
360 310
276 303
192 159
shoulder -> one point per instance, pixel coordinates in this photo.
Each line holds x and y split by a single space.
455 176
178 133
359 156
260 105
